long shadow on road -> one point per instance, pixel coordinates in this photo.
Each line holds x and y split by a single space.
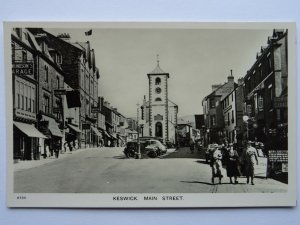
185 152
197 182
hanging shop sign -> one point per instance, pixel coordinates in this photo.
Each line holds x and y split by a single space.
249 109
60 92
95 109
260 103
86 126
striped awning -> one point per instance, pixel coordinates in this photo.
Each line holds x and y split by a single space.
29 130
96 131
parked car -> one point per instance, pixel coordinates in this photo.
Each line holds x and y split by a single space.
151 148
155 148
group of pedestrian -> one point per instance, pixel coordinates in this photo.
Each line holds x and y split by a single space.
228 155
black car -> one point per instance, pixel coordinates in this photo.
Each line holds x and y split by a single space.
151 148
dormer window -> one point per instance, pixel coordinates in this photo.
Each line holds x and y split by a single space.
157 81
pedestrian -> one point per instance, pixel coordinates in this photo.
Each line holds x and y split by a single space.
56 150
192 145
216 164
232 164
70 146
250 158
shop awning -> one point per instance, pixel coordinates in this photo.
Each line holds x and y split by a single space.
29 130
114 135
109 124
106 133
121 138
53 126
96 131
76 129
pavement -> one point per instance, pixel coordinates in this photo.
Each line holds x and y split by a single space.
107 170
27 164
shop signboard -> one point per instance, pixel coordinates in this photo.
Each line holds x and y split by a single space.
95 109
278 156
22 68
60 92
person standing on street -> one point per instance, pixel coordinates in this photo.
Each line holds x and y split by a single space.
192 145
216 164
250 158
232 164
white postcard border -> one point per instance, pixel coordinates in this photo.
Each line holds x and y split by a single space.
187 200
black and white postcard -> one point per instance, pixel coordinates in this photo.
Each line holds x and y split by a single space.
150 115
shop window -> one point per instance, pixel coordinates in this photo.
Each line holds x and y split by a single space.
33 106
22 102
46 104
18 97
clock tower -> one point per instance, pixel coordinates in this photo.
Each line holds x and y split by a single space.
158 103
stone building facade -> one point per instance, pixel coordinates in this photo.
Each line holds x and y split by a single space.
213 111
266 91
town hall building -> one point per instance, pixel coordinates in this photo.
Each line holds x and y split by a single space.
159 113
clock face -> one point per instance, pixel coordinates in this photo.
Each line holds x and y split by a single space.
158 90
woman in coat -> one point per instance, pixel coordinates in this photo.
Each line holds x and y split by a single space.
232 164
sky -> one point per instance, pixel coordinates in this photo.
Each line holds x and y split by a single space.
194 58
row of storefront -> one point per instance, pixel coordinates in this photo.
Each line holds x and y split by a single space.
31 143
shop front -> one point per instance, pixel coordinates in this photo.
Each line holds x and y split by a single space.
26 141
49 127
72 135
96 136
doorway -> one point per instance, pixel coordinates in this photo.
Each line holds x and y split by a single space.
158 129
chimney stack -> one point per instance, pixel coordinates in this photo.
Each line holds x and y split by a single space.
230 78
240 81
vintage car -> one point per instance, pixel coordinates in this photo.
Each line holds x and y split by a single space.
151 148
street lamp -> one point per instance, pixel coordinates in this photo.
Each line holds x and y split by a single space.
208 136
138 134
